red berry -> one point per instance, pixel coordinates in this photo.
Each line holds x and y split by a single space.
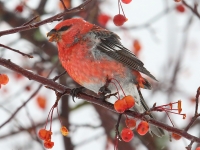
176 136
127 135
177 0
44 134
103 19
48 144
126 1
119 20
143 128
129 100
130 123
120 106
198 148
19 8
180 8
4 79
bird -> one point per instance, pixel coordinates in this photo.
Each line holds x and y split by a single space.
92 55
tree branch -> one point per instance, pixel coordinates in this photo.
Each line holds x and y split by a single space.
48 20
61 88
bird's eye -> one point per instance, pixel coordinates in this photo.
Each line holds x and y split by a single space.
53 30
64 28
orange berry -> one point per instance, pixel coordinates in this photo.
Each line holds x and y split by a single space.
130 123
44 134
143 128
42 102
119 20
103 19
120 106
66 2
4 79
64 131
176 136
48 144
129 100
180 8
136 47
127 135
126 1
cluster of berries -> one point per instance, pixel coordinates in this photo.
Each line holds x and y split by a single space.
122 105
127 133
118 19
45 134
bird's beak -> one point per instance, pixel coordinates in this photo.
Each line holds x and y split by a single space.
53 36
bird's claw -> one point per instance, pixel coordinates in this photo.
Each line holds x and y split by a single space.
74 92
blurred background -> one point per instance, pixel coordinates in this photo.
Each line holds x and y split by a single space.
164 34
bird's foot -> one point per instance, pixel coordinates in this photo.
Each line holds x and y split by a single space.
103 91
75 92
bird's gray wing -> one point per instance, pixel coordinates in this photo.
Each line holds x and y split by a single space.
110 44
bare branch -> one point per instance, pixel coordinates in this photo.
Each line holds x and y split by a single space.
17 51
48 20
92 99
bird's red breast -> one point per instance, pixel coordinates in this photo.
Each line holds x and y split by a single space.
84 68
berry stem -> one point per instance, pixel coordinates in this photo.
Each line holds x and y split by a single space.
116 89
119 85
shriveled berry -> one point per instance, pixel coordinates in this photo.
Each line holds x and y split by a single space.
48 144
176 136
127 135
126 1
129 100
119 20
120 106
64 131
130 123
143 128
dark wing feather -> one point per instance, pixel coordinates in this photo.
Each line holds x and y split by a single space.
111 45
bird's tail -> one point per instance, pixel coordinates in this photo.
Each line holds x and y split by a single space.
156 130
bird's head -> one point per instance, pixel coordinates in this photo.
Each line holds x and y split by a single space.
68 29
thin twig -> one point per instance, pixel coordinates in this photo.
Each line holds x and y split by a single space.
63 4
19 108
189 147
81 7
117 127
24 104
191 8
17 51
30 21
196 115
197 101
57 77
